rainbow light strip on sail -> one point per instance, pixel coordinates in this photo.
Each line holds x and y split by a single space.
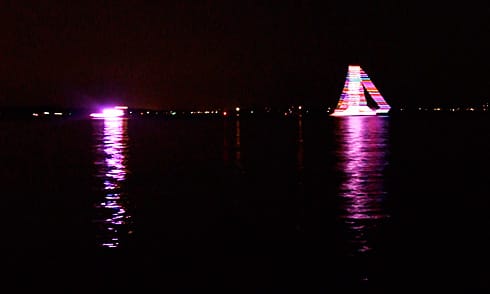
374 93
353 101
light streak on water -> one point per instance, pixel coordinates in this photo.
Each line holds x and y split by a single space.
363 148
111 147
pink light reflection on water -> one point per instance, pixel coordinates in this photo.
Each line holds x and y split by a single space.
363 145
111 149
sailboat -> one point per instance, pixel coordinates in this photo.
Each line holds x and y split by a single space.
353 101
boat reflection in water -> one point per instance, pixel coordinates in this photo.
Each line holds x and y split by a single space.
363 147
112 219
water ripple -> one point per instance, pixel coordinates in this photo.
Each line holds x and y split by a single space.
362 154
111 148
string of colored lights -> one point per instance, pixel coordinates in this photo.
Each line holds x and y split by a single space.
353 100
373 91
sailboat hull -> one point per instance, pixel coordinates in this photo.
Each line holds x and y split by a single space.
354 110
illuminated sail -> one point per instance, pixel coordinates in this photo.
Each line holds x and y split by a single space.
353 101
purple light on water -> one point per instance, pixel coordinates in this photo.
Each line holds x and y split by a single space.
362 152
113 112
111 162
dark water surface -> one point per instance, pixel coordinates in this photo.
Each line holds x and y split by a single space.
266 205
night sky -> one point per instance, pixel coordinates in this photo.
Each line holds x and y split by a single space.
191 54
